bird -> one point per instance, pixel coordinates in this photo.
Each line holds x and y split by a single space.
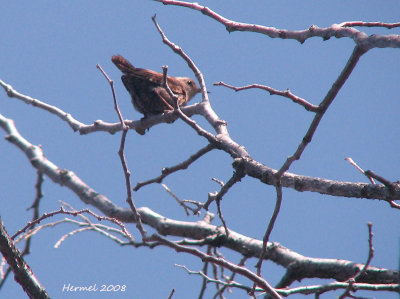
148 95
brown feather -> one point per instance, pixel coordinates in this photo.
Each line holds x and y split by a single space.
145 87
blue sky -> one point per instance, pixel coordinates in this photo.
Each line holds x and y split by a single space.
49 50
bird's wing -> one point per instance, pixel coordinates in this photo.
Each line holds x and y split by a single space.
175 86
147 75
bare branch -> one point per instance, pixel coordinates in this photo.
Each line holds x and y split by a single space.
360 38
22 272
74 213
369 24
171 294
221 183
207 279
205 270
323 107
182 203
202 232
270 226
287 94
252 168
350 160
320 289
219 261
393 187
236 177
183 165
139 125
190 63
98 125
299 266
35 207
206 111
12 93
217 125
230 280
306 183
121 154
353 279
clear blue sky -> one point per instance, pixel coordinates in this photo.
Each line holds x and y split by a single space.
49 50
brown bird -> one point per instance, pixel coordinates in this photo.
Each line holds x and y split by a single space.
145 88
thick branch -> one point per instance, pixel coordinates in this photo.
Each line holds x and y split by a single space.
324 186
342 30
298 266
22 273
98 125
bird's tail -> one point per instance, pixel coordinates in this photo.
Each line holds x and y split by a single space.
124 65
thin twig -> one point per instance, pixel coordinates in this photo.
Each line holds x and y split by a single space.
323 107
121 154
205 270
351 161
224 284
369 24
271 224
219 261
218 124
177 109
287 94
354 279
190 63
221 216
74 213
393 187
230 280
215 269
35 207
221 183
169 170
236 177
182 203
171 294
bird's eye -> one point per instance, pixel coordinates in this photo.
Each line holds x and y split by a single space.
189 82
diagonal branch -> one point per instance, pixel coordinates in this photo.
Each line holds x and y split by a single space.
352 280
218 125
323 107
35 207
12 93
22 272
236 177
220 261
251 167
195 230
183 165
